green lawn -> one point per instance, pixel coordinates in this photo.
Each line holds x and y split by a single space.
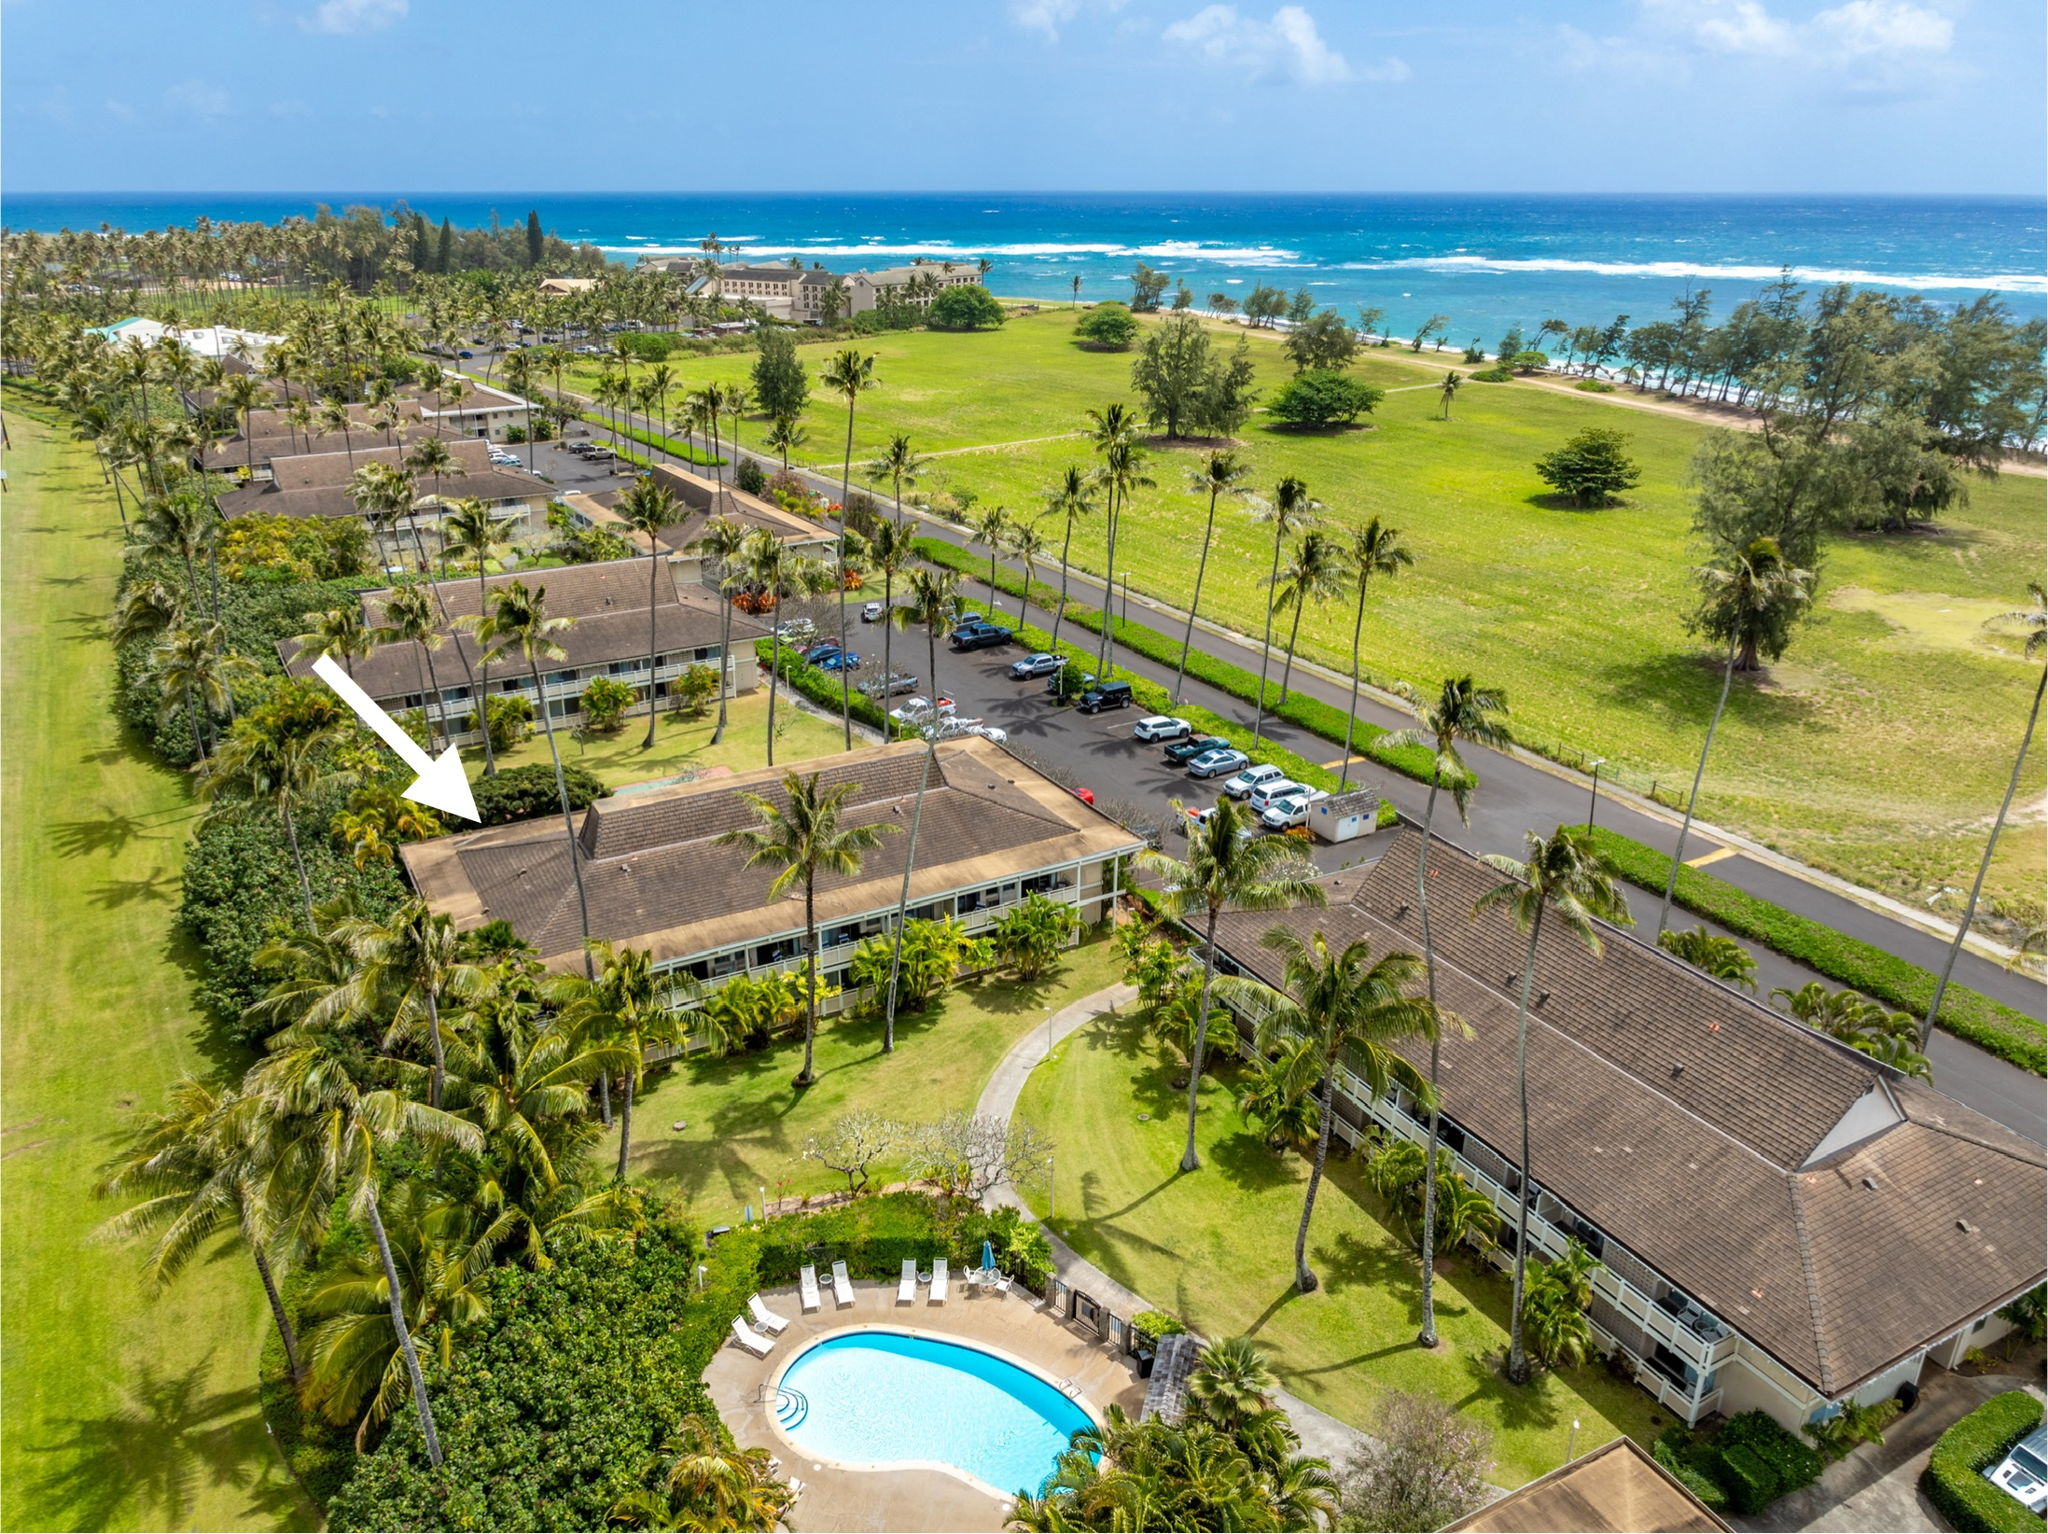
747 1126
1877 748
121 1411
1217 1248
682 744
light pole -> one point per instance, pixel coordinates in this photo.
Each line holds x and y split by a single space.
1571 1440
1593 804
1052 1188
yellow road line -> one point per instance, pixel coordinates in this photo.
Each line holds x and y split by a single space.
1710 857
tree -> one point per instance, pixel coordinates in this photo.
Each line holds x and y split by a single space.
781 387
409 618
887 551
708 1483
1420 1465
964 306
900 466
722 547
191 667
1030 937
1172 373
1221 473
1323 399
646 509
855 1142
1357 1010
536 242
1554 1309
1322 344
1223 868
1592 468
621 1006
517 624
472 533
1722 957
802 837
969 1155
1028 544
1564 875
2032 622
605 701
933 604
1315 573
277 753
1264 305
1070 500
1107 326
990 526
849 375
1374 550
1114 436
1279 1096
777 573
1146 288
1448 391
1434 325
1290 511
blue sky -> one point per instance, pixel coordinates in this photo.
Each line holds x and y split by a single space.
458 95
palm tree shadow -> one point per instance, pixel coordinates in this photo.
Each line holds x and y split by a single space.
110 832
146 1461
160 885
1250 1163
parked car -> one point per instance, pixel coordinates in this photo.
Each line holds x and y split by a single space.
1085 795
797 631
890 685
871 612
1106 695
1213 764
970 616
1290 810
1041 664
990 732
1193 746
1161 727
465 353
1193 819
818 649
917 709
1241 786
839 660
978 636
2023 1472
1262 796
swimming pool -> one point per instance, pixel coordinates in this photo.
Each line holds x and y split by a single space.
883 1398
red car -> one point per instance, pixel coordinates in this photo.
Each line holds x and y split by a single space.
1085 795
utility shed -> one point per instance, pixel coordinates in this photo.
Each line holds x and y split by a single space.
1346 817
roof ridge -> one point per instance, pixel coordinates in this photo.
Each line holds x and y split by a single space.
1812 1280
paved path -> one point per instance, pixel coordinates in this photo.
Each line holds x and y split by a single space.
1321 1433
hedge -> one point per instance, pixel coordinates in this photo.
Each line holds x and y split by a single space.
669 445
822 687
1968 1014
522 793
1952 1479
1311 714
1747 1479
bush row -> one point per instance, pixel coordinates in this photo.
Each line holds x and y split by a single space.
670 445
822 688
1953 1480
1968 1014
1311 714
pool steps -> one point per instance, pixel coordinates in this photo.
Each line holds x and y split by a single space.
791 1407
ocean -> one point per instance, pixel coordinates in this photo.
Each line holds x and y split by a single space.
1487 261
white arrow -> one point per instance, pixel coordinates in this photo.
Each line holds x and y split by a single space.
440 783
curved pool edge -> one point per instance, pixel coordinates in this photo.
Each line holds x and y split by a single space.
951 1339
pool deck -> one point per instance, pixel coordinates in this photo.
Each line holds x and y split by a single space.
843 1499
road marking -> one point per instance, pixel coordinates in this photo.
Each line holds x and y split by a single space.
1710 857
1341 761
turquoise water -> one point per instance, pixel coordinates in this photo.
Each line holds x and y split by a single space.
880 1398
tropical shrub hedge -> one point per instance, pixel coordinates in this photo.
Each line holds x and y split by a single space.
669 445
1952 1479
822 687
2004 1031
520 793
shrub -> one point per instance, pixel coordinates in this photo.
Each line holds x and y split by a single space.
1747 1480
1952 1479
969 306
1155 1324
1591 468
2006 1032
520 793
669 445
1493 375
1323 399
645 345
1791 1463
605 702
1109 326
822 688
1529 361
750 476
1696 1481
1594 386
511 716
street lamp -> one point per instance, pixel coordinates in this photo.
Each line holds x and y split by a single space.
1052 1189
1571 1440
1593 804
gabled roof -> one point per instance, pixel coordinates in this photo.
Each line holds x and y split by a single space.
1722 1142
1617 1489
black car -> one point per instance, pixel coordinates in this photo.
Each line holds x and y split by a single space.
1193 746
1106 695
978 636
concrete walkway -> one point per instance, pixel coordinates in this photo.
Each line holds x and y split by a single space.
1321 1433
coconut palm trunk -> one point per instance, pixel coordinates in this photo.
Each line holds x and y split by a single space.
291 833
1190 1158
1427 1336
1059 613
1108 585
1304 1280
805 1077
1187 640
1266 644
396 1300
774 677
653 574
1351 719
924 778
547 721
285 1331
1518 1356
1692 799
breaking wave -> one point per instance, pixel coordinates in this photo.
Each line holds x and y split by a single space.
2002 282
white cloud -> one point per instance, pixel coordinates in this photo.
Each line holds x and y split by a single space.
343 17
1864 27
1288 45
120 109
199 98
1856 30
1046 17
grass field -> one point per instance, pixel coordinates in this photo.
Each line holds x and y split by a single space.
1216 1247
747 1126
121 1411
682 744
1877 749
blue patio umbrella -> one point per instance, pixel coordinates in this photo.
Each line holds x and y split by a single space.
988 1256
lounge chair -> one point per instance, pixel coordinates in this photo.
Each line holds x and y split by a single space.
906 1286
750 1339
939 1281
842 1284
796 1488
807 1286
765 1318
999 1281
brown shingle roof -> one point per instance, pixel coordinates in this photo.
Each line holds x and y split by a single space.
234 452
1699 1129
1617 1489
655 878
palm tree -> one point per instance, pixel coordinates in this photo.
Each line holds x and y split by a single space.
785 437
1375 550
934 603
1291 510
190 666
991 528
2032 621
405 966
1221 473
779 573
472 533
1463 711
733 400
721 544
383 495
339 632
1028 545
620 1006
646 509
849 375
1114 432
929 729
1225 868
1356 1009
212 1160
707 1483
1448 390
1231 1382
1566 875
899 465
409 618
433 459
517 623
887 551
1315 573
276 755
803 837
335 419
1751 585
1072 499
